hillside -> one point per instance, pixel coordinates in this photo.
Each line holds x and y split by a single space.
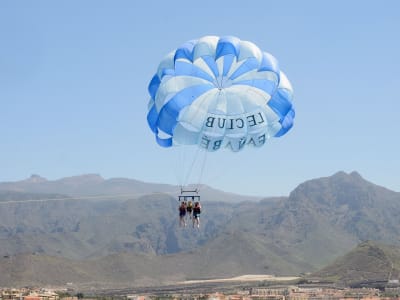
369 262
224 257
84 229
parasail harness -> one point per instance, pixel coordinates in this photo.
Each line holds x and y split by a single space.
189 195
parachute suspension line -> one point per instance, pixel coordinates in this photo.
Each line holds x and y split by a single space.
219 173
183 165
179 166
192 163
203 164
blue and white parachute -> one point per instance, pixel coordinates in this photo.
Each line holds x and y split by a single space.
219 93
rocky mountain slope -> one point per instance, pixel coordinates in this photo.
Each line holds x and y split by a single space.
325 217
369 262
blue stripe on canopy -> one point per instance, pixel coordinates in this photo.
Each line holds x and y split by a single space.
184 68
152 118
286 123
185 51
164 142
153 86
210 61
168 116
267 86
280 103
227 45
250 64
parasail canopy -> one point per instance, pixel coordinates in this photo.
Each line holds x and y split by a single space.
219 93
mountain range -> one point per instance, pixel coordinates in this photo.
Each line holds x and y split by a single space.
93 186
135 238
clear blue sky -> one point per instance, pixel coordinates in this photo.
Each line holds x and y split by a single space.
74 76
